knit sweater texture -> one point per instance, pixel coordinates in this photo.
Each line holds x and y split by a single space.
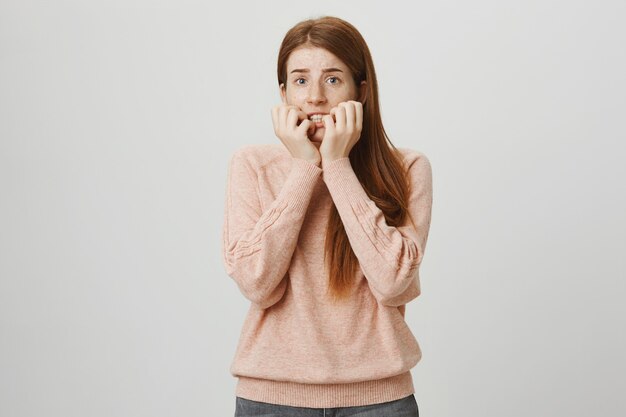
296 346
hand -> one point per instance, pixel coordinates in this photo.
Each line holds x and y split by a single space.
291 126
341 134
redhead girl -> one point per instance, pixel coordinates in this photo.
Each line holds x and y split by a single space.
324 233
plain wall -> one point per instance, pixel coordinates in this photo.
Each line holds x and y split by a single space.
117 121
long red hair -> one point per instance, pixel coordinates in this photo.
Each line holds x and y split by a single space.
376 162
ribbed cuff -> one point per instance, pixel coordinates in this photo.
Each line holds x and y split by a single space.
326 395
300 183
343 184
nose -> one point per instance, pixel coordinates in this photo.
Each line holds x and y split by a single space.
316 94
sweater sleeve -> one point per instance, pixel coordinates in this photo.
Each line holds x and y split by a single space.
388 256
258 244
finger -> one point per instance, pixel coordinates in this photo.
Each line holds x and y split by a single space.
302 115
282 116
350 115
340 117
359 115
329 126
274 117
292 118
304 127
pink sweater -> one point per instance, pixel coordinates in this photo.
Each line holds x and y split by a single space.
296 347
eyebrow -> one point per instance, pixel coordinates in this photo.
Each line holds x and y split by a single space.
323 70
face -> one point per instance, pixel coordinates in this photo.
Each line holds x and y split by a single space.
317 81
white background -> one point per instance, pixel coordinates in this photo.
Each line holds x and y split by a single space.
117 120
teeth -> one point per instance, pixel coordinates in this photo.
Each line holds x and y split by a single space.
316 117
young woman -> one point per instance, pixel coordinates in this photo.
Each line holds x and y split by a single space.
324 233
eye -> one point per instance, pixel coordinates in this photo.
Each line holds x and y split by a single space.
334 78
298 79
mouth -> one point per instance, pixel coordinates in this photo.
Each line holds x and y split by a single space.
316 117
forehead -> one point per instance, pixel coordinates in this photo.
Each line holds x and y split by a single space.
313 58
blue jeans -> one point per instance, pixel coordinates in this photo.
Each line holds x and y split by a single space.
404 407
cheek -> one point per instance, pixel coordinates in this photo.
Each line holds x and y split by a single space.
296 98
335 99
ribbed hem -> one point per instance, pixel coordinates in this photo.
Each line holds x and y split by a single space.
326 395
